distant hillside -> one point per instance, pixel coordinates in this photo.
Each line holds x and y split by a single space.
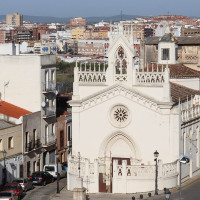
90 20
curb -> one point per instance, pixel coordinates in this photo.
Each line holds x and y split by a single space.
54 194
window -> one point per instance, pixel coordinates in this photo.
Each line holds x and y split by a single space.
120 63
53 129
27 142
35 138
46 134
34 164
10 142
165 54
61 139
1 145
69 138
52 75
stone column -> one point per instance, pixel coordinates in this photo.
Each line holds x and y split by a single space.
114 181
160 175
96 175
79 194
124 176
166 86
76 83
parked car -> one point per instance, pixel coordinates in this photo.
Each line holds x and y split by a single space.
25 183
8 196
15 188
52 169
41 178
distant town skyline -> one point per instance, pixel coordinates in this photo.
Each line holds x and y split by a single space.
89 8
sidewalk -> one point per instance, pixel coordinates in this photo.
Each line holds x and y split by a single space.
68 195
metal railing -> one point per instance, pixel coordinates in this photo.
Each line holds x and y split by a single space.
51 111
35 144
49 86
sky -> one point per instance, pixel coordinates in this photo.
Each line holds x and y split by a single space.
89 8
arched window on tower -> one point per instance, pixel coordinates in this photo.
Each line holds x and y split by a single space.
120 65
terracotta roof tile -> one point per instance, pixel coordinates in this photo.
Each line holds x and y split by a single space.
181 92
12 110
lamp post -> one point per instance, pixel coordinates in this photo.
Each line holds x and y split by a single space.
183 159
58 174
167 194
156 154
4 168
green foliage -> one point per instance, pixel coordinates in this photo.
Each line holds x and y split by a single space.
65 67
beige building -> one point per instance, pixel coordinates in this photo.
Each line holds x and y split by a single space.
11 142
187 51
77 33
14 19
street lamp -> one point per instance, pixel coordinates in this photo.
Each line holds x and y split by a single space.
167 194
4 168
58 174
183 159
156 154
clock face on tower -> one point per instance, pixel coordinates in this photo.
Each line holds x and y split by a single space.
119 116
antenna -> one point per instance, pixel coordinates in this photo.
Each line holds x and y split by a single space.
5 85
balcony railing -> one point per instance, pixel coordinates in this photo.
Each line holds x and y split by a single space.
48 112
49 86
35 144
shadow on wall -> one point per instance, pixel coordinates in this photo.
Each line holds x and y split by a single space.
10 171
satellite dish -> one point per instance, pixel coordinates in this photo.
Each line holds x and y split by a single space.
43 104
56 92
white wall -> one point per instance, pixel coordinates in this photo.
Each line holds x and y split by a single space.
7 49
193 83
24 76
148 129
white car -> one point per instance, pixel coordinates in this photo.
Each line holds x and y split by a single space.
52 169
8 196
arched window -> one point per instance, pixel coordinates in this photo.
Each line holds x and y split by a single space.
121 63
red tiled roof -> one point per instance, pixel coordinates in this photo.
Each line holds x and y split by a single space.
180 92
181 71
12 110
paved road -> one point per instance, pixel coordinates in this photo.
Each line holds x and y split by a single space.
44 192
191 192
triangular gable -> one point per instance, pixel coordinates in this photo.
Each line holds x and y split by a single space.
115 90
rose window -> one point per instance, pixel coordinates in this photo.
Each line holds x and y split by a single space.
119 116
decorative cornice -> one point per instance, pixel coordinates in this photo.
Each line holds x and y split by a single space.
118 89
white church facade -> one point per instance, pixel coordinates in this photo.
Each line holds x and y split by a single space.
122 115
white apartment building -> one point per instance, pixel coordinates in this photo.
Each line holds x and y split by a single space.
29 81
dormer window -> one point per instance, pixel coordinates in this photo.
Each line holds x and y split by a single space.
165 54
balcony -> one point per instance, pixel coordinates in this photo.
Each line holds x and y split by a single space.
49 86
35 144
49 112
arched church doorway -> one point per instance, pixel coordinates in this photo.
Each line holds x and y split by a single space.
118 146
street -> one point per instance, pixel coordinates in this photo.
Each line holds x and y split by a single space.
44 192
